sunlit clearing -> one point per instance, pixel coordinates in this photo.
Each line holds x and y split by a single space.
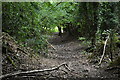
56 29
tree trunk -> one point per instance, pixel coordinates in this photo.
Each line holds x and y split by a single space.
95 7
60 31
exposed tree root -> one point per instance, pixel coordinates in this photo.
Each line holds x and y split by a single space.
35 71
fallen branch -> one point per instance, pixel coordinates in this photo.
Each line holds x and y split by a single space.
103 51
112 68
21 50
51 45
34 71
12 62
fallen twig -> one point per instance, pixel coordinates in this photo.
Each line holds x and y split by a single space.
34 71
21 50
51 45
112 68
103 51
10 59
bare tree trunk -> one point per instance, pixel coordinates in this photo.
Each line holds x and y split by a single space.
60 31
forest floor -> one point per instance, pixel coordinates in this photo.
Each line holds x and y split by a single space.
65 49
70 50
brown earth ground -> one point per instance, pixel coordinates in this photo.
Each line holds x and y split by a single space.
68 50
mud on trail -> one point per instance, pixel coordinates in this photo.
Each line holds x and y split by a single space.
64 49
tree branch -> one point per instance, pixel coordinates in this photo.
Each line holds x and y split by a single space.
103 50
34 71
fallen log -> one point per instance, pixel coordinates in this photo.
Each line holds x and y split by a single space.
35 71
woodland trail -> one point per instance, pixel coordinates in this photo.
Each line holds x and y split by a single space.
66 50
70 50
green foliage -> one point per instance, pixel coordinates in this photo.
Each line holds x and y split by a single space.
21 20
81 38
116 62
30 22
108 16
88 19
95 18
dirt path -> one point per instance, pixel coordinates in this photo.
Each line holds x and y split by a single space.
66 50
70 50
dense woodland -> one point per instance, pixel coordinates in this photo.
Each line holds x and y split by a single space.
95 25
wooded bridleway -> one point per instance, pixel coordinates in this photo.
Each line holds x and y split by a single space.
71 51
65 59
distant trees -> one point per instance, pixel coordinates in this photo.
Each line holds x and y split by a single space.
30 22
96 19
